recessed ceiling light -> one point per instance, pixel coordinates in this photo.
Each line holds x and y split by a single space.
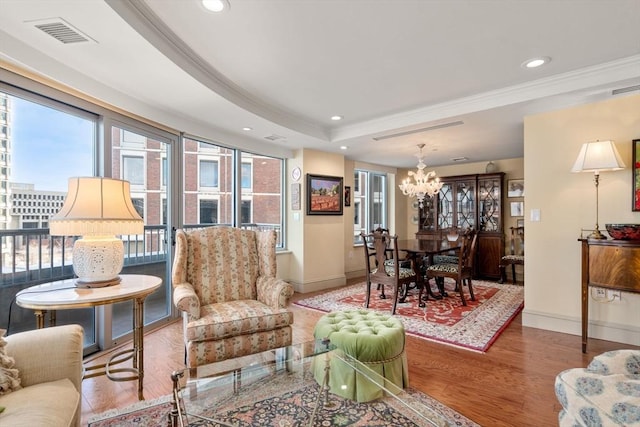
343 147
216 5
336 118
536 62
247 128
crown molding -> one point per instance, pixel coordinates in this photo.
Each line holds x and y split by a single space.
603 74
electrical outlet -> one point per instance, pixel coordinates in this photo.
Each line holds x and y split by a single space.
601 292
613 295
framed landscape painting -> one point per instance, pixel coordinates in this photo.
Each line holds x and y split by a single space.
324 195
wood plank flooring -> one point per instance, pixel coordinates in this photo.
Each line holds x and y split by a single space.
509 385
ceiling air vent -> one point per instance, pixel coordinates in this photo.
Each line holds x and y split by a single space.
61 30
274 137
411 132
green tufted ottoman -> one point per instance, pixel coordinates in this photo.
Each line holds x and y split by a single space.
375 339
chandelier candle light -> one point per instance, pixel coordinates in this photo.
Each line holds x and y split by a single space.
426 184
97 209
597 157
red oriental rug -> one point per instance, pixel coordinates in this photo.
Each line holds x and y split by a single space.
474 327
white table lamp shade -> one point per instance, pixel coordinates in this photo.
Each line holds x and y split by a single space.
598 156
97 209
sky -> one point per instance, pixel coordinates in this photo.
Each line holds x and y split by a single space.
49 146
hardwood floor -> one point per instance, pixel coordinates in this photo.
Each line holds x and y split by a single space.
509 385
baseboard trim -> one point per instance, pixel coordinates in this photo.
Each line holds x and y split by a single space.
608 331
319 285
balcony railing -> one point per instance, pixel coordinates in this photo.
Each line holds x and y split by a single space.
32 256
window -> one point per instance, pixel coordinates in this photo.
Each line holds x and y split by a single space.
133 169
138 203
246 175
208 211
208 173
245 212
370 202
164 171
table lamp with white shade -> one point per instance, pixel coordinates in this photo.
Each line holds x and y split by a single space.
97 209
598 157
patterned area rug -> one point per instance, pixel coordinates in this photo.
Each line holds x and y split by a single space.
474 327
284 403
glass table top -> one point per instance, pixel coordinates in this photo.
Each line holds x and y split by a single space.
224 395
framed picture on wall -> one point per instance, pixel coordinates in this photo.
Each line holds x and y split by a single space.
347 196
324 195
517 208
520 223
635 175
515 188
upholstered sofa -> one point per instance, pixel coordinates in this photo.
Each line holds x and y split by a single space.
49 362
606 393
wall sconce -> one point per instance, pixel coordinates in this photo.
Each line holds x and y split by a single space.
97 209
598 157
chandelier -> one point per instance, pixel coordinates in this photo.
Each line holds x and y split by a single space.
426 184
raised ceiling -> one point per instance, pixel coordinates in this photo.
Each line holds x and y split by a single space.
389 67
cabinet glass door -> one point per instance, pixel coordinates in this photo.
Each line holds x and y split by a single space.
489 204
445 206
465 203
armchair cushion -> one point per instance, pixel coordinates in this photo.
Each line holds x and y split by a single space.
606 393
223 320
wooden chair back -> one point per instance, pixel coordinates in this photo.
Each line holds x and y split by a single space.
463 271
517 241
377 245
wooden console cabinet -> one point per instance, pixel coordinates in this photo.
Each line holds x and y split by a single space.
469 201
610 264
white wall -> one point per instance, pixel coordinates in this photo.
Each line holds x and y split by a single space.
567 204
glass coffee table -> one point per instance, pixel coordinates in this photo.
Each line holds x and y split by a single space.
278 388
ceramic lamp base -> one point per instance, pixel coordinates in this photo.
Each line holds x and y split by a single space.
97 259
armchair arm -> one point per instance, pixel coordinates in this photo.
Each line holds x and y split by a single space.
274 292
48 354
625 362
185 299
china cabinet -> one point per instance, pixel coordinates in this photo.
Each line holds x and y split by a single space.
467 201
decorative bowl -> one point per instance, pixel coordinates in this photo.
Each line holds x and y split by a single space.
624 231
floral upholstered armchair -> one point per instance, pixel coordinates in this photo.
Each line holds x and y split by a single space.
224 282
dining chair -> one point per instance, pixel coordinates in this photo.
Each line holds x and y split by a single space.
385 271
462 271
451 235
516 257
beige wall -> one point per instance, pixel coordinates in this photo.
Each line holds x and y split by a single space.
567 204
316 242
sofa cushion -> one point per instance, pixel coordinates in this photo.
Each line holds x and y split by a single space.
56 405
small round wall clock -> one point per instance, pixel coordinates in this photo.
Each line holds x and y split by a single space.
296 173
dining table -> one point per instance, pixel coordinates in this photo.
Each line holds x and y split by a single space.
417 250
